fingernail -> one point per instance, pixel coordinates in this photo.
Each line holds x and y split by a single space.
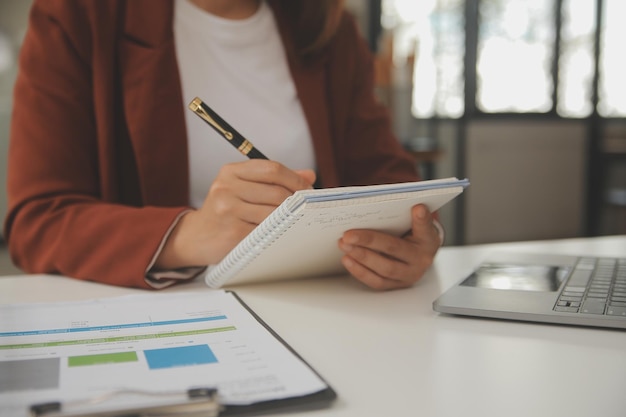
346 247
351 238
421 212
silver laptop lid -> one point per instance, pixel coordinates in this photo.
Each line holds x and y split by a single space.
575 290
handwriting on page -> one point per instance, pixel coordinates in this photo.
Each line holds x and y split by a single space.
348 218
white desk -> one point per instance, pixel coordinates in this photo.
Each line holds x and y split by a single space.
390 354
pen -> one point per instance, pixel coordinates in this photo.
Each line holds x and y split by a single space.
225 130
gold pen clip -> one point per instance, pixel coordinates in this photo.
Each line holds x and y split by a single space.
196 107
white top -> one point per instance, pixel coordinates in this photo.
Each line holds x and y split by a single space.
239 69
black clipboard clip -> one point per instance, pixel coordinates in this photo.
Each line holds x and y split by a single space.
194 402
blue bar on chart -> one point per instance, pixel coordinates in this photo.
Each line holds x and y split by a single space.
179 356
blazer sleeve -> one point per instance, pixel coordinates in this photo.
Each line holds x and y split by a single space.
58 220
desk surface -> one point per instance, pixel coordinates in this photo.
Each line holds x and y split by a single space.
390 354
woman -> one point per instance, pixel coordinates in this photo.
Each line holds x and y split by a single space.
111 179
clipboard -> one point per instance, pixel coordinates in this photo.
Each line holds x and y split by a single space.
193 402
317 400
188 401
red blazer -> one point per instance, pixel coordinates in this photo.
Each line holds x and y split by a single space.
98 166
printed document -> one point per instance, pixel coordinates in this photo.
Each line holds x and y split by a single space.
159 343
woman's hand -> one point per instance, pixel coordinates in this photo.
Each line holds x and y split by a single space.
242 195
385 262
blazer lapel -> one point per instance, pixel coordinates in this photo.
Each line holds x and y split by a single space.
153 102
311 84
154 107
311 87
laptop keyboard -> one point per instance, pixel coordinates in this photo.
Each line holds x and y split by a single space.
595 286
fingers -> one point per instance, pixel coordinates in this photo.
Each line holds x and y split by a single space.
308 175
423 229
250 190
241 196
269 172
379 277
379 260
383 262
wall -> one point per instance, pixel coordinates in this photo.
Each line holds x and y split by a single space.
528 180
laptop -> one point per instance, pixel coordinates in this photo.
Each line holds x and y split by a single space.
560 289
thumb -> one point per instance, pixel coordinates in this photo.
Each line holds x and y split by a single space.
421 223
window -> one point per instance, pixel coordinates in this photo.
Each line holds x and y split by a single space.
431 34
532 56
576 61
612 88
514 56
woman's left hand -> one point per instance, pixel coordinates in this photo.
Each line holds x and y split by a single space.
384 262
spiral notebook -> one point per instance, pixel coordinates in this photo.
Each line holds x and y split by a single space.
299 238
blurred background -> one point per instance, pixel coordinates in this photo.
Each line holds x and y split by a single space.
526 98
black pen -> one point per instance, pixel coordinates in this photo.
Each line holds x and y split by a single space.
225 130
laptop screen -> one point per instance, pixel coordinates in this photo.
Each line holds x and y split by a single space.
501 276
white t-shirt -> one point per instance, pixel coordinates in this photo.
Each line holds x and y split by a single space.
238 68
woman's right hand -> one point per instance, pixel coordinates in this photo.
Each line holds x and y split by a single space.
242 195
